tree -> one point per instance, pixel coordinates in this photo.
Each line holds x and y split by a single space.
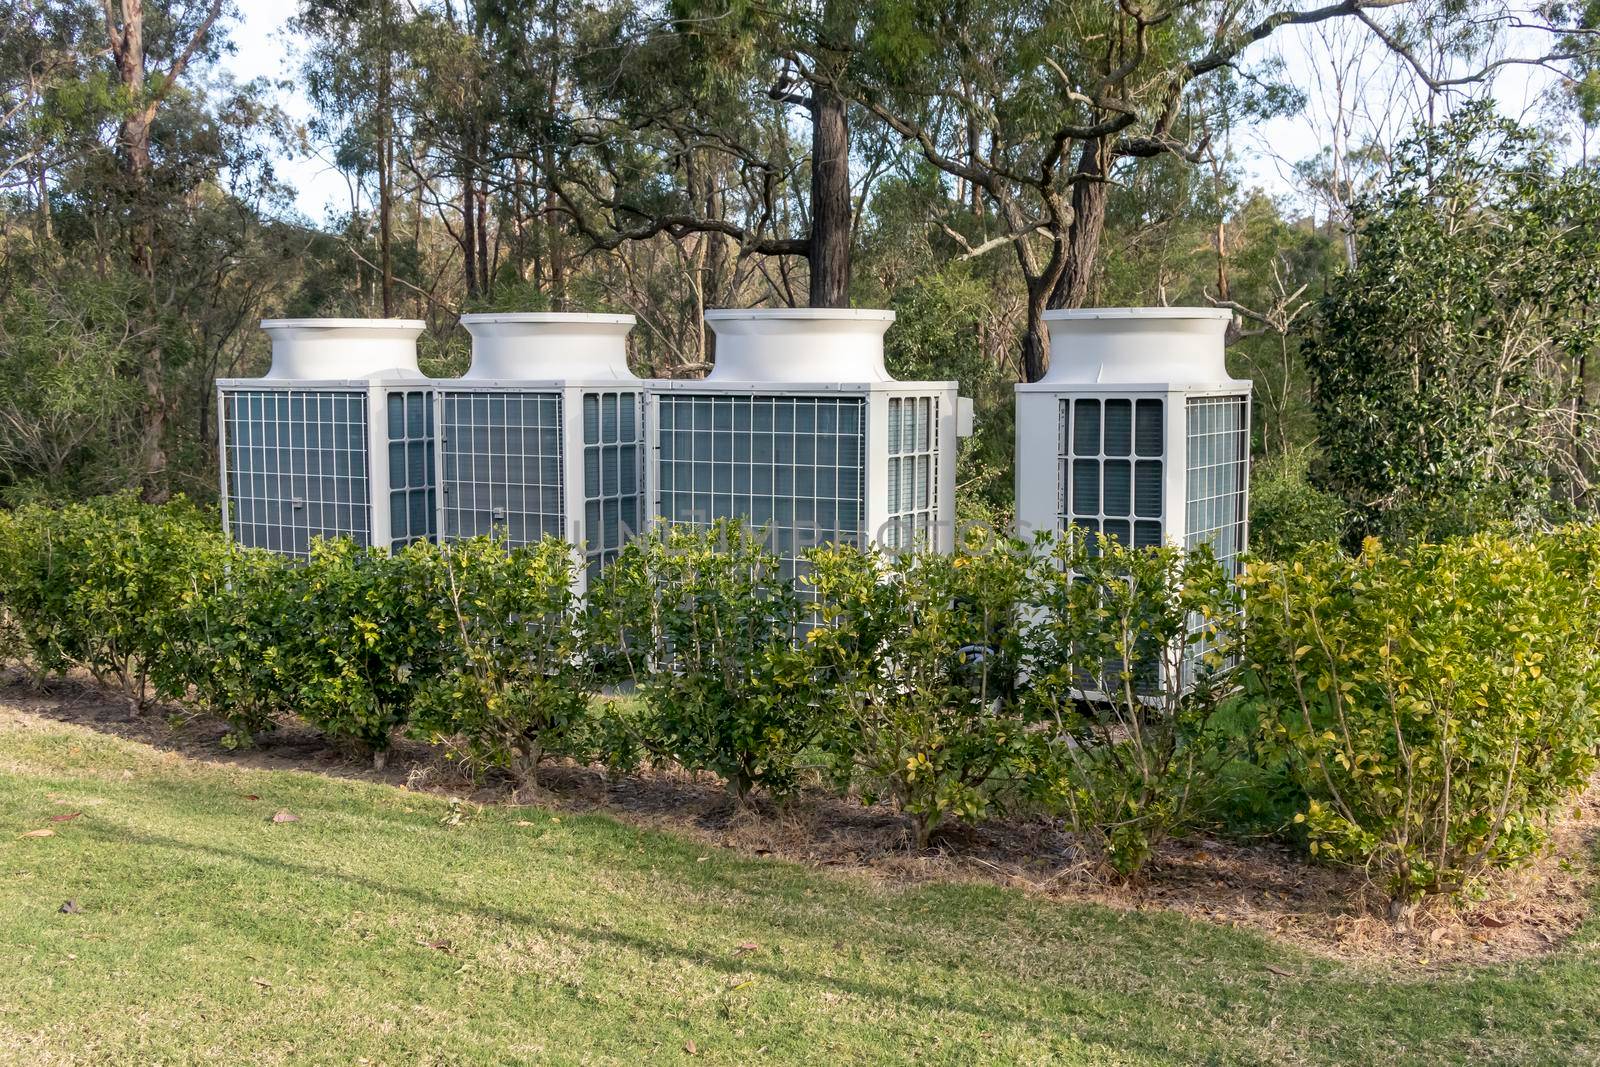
350 76
144 92
705 87
1451 364
1061 97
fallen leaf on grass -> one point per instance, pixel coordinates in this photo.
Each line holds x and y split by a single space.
38 833
1279 971
69 908
286 816
745 946
67 817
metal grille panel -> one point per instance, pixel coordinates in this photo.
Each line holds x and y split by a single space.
913 474
1218 469
1112 471
1219 449
792 465
296 467
613 474
501 458
412 494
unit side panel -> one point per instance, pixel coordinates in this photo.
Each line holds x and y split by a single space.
1216 487
911 481
613 474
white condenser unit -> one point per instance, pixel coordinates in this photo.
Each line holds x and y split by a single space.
544 434
336 440
800 431
1137 431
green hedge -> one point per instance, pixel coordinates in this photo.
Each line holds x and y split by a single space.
1423 713
1437 705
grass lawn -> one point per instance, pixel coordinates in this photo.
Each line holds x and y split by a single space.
386 926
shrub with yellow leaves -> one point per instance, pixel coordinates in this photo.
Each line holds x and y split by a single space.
1437 705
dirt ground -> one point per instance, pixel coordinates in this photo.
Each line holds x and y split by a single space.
1265 887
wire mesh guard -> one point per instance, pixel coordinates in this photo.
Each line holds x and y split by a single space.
1112 468
501 459
1218 458
791 465
296 467
913 472
613 475
412 495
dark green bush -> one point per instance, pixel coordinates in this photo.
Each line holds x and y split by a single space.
221 648
703 623
919 656
1287 512
1436 704
513 683
1149 631
94 585
356 641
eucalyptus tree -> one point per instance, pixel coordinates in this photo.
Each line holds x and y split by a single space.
683 124
350 73
1035 104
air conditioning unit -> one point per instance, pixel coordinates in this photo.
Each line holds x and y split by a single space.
1137 432
336 440
800 431
544 434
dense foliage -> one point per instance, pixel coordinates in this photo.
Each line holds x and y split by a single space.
1451 362
94 585
221 649
1148 631
1288 511
1437 705
513 680
921 657
357 643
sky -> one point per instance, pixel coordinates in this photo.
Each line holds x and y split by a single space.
1329 64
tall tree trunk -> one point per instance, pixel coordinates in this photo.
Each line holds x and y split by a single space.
552 203
829 246
385 161
1035 339
469 233
556 252
485 263
1089 196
